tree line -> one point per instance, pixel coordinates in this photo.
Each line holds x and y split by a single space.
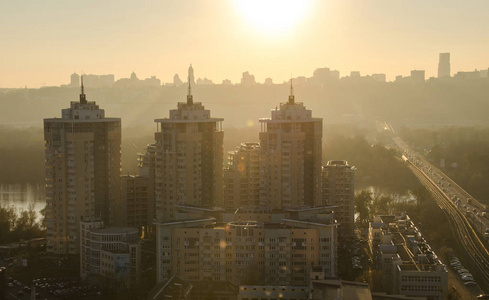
20 225
460 152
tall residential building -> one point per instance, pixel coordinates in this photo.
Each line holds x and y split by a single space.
291 158
189 155
444 65
339 191
83 168
242 177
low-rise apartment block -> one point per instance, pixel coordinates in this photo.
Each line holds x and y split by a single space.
249 252
112 253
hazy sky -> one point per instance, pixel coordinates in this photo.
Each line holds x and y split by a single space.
43 42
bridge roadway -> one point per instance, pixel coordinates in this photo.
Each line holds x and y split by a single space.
444 193
461 228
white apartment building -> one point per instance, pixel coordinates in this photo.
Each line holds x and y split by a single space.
112 253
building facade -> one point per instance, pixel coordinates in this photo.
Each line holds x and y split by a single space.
339 190
242 177
83 168
290 157
112 253
189 155
247 252
138 200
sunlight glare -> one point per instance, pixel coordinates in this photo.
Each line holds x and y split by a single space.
273 16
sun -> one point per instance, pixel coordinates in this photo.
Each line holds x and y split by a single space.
273 16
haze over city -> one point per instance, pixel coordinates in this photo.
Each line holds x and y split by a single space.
244 150
44 41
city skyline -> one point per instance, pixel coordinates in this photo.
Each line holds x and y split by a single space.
162 38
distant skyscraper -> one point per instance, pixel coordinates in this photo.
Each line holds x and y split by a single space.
242 177
323 75
268 81
83 168
248 79
355 74
339 190
75 80
379 77
191 77
418 75
291 157
176 80
189 154
444 65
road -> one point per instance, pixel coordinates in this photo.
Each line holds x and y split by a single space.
453 199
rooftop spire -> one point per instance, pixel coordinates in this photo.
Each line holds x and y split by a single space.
190 99
83 99
291 96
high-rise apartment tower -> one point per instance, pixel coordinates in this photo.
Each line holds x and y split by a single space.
83 168
290 156
189 154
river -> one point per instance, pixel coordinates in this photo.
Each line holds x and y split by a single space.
21 196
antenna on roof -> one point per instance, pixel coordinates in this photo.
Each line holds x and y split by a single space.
190 99
83 98
291 96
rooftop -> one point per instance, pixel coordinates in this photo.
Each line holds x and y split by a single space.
115 230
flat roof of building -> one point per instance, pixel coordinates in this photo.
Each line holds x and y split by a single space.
269 120
115 230
210 120
61 120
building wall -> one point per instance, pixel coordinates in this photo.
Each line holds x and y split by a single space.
250 292
113 253
138 199
245 252
242 177
431 284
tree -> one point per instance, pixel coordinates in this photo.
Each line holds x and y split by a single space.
363 205
382 204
